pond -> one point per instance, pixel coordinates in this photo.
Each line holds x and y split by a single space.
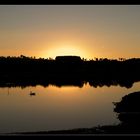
59 108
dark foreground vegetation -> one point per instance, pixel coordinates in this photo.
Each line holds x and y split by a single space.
68 70
72 70
127 111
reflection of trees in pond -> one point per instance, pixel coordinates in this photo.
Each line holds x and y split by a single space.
103 71
65 82
108 83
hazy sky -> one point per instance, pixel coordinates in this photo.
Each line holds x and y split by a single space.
89 31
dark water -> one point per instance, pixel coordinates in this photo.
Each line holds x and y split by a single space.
54 108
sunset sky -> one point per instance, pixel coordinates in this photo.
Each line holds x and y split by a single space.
85 30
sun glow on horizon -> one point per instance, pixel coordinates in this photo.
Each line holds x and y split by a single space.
64 50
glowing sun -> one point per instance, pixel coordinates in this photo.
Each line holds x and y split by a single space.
64 50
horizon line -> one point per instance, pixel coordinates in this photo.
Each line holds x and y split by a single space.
38 57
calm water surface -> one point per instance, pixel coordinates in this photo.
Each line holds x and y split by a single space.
54 108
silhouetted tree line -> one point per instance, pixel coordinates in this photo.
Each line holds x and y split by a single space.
69 70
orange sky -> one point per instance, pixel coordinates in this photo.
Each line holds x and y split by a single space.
89 31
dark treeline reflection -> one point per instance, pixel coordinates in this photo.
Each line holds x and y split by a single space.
64 82
68 70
